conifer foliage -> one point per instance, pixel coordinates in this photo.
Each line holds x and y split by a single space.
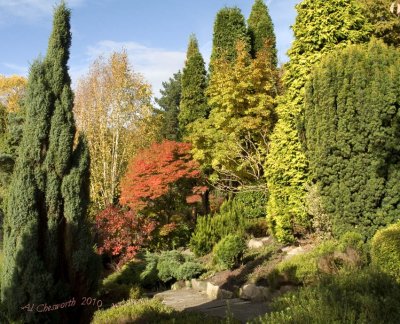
261 29
353 136
193 103
47 244
229 28
320 27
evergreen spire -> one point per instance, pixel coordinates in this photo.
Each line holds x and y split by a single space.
47 243
229 28
261 29
194 82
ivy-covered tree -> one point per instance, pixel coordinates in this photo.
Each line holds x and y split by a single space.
353 136
229 28
193 103
169 103
48 254
320 27
261 29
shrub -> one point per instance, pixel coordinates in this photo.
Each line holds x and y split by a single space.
118 286
385 250
252 204
150 311
189 270
364 296
122 233
330 257
210 229
228 252
170 265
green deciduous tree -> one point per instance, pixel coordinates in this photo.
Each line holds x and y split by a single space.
320 27
353 136
229 28
261 29
193 103
233 140
169 103
47 244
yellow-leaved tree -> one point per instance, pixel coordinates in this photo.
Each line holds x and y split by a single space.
12 90
113 108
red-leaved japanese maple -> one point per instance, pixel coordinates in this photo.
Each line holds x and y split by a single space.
122 233
153 171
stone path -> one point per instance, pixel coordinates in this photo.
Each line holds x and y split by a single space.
191 300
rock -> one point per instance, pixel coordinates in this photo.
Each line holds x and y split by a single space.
254 293
178 285
199 285
256 243
215 292
296 251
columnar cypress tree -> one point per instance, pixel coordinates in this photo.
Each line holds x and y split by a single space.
193 103
353 136
169 102
261 29
229 27
320 27
47 244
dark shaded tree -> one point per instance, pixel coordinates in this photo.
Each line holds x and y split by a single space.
169 103
353 136
47 243
261 29
193 103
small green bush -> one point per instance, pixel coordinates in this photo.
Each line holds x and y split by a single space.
252 203
363 296
385 250
228 252
210 229
171 265
189 270
150 311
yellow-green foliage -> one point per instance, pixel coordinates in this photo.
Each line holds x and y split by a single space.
149 311
320 27
330 257
385 250
361 296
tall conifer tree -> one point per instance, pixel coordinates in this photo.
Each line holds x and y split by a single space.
193 103
229 28
47 245
261 29
169 102
319 28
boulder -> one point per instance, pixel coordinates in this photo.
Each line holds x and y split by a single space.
254 293
215 292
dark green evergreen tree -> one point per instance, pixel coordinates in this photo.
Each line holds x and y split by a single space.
169 103
48 250
261 29
353 136
194 82
229 27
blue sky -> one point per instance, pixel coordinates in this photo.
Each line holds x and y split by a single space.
154 32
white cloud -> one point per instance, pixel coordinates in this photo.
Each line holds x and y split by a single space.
155 64
17 69
31 9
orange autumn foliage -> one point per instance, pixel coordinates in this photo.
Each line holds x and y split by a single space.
153 171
